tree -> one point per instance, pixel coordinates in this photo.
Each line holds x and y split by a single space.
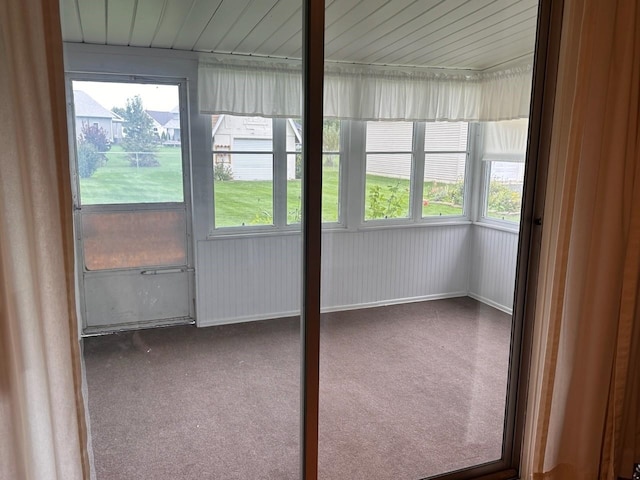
138 134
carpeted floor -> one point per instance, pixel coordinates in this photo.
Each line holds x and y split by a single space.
406 392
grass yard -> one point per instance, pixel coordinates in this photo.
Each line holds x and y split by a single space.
119 182
243 202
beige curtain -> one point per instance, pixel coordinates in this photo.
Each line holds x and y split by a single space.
584 402
41 410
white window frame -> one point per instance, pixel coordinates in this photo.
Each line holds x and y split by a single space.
279 154
484 170
416 190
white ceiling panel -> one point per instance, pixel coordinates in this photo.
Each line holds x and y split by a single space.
386 18
120 15
508 48
467 34
200 14
145 23
411 32
70 21
172 19
282 12
254 13
93 19
281 34
227 15
460 40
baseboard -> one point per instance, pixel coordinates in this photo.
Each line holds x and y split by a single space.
491 303
336 308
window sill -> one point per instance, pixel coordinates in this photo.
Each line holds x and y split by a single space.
266 231
424 223
501 226
238 232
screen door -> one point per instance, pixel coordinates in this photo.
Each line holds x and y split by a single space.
132 215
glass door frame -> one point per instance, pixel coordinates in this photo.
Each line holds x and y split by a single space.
541 113
186 204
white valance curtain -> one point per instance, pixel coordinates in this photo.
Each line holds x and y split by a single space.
274 89
505 141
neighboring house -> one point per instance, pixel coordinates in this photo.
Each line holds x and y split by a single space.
88 111
167 123
252 135
393 142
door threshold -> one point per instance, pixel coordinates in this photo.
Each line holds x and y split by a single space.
126 327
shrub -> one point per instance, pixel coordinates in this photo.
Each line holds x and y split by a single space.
222 172
387 202
97 136
450 193
503 198
88 159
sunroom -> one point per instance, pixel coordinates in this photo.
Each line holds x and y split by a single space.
188 155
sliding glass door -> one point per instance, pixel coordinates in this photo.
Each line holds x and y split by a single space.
347 244
420 339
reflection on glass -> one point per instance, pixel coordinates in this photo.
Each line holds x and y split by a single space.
128 143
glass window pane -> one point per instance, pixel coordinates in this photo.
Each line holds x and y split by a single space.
443 192
387 185
243 182
389 136
416 341
504 197
330 176
330 187
128 143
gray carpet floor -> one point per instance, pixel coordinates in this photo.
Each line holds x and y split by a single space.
406 392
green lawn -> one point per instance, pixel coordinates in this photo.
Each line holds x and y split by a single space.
119 182
243 202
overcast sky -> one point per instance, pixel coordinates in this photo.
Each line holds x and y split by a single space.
110 94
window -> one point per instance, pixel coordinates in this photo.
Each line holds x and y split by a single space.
242 170
393 159
330 174
257 170
389 167
503 163
446 151
504 196
120 158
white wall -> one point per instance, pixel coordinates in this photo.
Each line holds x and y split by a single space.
245 278
493 268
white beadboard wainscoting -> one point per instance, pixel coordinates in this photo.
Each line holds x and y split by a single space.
493 268
258 277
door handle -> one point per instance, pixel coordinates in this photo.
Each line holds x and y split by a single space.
162 271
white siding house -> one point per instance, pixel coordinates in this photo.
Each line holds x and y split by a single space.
442 141
252 135
90 112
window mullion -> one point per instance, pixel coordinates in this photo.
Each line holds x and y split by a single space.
417 178
477 174
355 173
279 172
